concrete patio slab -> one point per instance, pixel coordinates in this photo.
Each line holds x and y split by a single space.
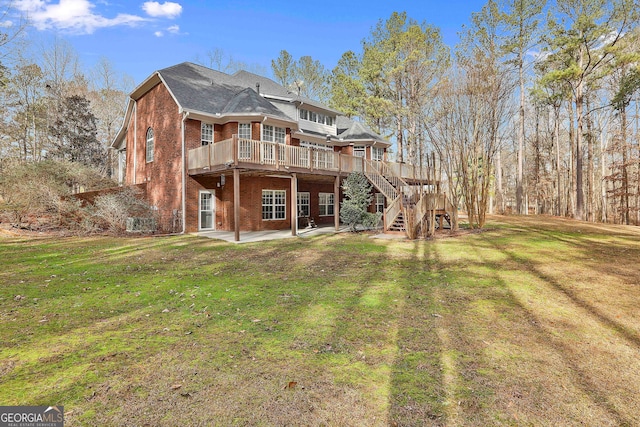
260 236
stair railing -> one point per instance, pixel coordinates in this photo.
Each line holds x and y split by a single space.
380 182
393 211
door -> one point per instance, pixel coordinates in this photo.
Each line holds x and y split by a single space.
206 215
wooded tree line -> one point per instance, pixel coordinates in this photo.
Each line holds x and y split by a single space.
53 109
534 111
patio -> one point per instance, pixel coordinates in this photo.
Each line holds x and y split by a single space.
260 236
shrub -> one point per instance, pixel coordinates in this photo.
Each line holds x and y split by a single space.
34 195
357 193
110 211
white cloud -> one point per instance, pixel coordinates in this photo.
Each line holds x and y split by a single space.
158 34
6 24
166 10
174 29
72 15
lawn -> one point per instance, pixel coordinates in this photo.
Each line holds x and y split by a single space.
533 321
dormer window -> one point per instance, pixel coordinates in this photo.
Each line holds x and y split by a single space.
316 117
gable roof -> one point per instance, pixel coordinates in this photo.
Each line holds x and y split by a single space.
209 93
356 131
248 101
203 90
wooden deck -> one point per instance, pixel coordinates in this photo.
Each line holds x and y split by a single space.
268 156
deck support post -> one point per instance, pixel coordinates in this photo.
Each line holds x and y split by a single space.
294 204
236 204
336 202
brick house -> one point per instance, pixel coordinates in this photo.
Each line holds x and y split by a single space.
241 152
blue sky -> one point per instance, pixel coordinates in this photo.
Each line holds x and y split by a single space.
140 37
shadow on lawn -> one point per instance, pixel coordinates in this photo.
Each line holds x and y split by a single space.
419 391
446 372
582 374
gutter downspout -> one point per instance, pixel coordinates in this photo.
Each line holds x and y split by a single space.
185 115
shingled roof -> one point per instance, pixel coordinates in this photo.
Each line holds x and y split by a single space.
201 89
352 130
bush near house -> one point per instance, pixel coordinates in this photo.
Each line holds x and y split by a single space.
40 196
357 198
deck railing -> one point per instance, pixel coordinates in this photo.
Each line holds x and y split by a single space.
274 155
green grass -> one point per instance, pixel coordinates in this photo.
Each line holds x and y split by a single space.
531 322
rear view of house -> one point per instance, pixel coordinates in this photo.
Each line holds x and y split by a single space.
242 153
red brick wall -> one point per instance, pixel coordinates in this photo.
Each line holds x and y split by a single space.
163 176
250 202
314 189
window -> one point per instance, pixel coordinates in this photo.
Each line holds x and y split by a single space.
316 117
244 146
379 202
326 204
359 151
149 146
122 165
274 204
377 154
244 130
267 133
273 134
322 154
304 204
206 133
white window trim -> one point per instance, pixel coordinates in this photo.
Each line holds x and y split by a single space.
202 134
328 204
149 154
360 148
307 199
379 202
250 130
274 204
315 117
213 209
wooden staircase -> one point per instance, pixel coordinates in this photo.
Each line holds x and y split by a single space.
400 196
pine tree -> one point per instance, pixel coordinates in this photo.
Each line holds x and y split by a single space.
76 134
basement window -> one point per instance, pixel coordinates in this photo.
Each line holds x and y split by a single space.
274 204
326 204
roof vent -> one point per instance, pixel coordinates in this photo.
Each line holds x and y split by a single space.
258 88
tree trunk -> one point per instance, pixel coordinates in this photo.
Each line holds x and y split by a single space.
499 191
521 136
571 182
580 114
625 163
590 172
556 132
603 171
